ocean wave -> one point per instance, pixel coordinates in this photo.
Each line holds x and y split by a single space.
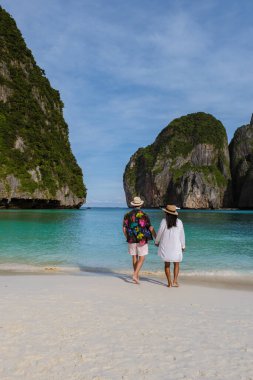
227 278
211 277
30 268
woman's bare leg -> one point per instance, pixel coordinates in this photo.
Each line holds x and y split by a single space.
138 268
176 272
167 272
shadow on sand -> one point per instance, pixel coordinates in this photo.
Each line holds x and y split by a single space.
124 277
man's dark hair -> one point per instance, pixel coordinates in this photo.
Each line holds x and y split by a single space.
171 220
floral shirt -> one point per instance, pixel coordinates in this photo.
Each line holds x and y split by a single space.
137 225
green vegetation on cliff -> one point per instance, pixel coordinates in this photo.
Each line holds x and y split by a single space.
191 152
184 133
178 139
241 161
33 133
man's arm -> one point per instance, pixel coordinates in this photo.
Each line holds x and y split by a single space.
125 232
124 225
152 230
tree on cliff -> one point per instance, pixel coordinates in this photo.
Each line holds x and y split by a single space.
37 167
188 164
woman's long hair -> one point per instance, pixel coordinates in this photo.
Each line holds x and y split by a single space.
171 220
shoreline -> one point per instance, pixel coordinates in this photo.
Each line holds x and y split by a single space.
224 280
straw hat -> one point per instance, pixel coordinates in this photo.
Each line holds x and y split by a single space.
170 209
137 201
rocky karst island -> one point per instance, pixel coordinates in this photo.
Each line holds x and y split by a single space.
241 157
190 164
37 166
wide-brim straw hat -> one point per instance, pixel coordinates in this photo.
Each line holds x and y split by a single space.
170 209
137 201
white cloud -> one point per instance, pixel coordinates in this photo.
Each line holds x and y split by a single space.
125 70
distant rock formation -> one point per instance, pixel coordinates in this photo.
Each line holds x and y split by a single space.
188 165
241 156
37 167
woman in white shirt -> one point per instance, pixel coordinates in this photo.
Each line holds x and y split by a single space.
171 241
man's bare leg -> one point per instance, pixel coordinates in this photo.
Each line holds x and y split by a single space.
137 269
167 272
135 261
176 272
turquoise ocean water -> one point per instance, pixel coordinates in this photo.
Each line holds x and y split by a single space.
91 239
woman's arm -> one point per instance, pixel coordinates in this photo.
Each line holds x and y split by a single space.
182 236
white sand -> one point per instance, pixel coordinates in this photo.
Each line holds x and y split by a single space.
103 327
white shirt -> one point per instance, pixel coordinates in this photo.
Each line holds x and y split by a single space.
171 241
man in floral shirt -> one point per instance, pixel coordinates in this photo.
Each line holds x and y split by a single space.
138 231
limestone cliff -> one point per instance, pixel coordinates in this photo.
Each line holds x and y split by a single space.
241 155
188 164
37 167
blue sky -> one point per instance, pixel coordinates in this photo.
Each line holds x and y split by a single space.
125 69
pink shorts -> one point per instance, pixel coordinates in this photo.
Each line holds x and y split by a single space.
137 249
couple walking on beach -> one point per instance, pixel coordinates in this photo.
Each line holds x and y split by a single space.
170 239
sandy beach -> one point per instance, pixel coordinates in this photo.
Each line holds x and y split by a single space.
98 326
